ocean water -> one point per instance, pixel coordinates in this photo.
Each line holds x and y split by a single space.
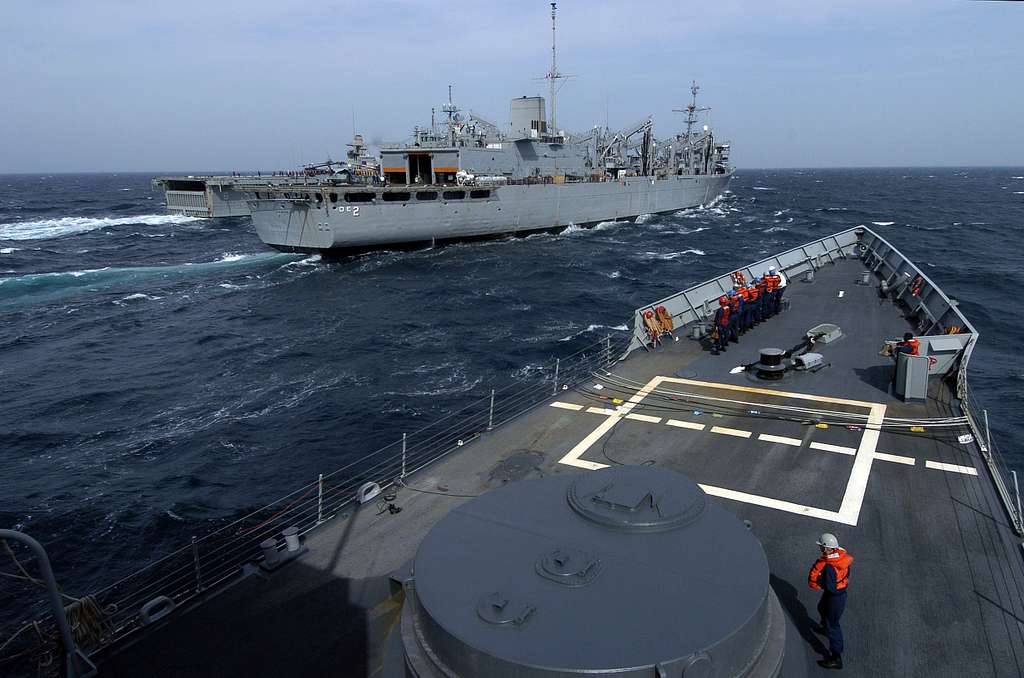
160 374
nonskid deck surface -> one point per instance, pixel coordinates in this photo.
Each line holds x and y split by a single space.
936 583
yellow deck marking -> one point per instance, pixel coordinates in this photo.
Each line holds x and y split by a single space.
952 468
795 442
825 447
600 410
567 406
769 392
895 458
572 457
731 431
685 424
644 417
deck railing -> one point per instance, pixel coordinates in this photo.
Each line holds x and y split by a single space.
211 560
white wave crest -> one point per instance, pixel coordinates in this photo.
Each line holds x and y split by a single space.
591 328
763 188
8 250
138 296
883 223
643 218
667 256
56 228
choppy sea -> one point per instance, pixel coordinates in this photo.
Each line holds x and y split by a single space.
160 374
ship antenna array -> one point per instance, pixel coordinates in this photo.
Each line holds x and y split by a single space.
691 119
451 109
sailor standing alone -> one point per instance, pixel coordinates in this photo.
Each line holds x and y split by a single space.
830 574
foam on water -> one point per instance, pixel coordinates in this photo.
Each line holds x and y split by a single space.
55 228
883 223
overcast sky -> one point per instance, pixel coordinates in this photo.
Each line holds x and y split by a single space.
197 85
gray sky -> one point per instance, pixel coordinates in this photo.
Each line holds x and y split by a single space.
243 84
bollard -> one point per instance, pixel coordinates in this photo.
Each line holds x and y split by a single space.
865 278
291 538
809 275
269 548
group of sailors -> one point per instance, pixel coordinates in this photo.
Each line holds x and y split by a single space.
745 306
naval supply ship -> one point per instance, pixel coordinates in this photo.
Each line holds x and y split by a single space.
643 507
468 178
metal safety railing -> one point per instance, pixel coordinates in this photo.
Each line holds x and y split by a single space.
209 561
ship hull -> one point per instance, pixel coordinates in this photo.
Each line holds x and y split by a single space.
326 225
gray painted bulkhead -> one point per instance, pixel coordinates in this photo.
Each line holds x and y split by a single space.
307 224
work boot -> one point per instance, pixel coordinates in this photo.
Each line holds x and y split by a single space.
835 661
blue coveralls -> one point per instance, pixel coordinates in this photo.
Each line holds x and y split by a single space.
830 608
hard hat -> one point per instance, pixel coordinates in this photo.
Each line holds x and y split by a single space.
723 300
771 270
732 293
829 541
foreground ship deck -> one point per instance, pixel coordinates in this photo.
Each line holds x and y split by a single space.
936 587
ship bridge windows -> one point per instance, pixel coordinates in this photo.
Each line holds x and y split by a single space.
359 197
454 195
420 170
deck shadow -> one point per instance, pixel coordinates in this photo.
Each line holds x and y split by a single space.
803 622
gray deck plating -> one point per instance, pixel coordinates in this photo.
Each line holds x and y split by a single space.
936 583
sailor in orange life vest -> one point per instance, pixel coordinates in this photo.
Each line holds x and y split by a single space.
830 574
721 339
909 345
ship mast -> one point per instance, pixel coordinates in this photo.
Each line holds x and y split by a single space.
691 119
553 75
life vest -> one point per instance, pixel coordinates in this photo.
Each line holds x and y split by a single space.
734 303
769 283
722 316
744 293
914 344
753 293
840 560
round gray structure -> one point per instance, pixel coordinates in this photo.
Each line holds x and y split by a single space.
629 571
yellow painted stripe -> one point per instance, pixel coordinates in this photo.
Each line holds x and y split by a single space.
567 406
795 442
731 431
449 170
895 458
833 448
768 392
395 169
952 468
644 417
685 424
